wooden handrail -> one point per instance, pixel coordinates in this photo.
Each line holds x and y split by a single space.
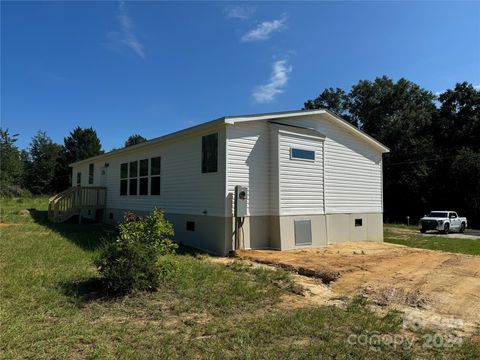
70 202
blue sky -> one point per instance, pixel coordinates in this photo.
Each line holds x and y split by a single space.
156 67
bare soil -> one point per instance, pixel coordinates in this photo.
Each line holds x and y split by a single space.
425 282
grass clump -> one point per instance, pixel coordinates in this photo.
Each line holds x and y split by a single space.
130 262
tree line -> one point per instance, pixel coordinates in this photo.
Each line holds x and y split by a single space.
434 141
43 168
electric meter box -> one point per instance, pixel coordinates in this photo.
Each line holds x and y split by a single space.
241 194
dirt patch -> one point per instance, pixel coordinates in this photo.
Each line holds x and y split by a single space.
390 275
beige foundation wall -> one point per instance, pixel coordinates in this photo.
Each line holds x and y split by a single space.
278 232
215 234
256 232
210 231
287 231
341 227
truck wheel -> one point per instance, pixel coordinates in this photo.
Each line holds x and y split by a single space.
446 228
462 228
423 231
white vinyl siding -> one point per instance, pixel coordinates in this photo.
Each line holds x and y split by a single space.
353 169
301 181
248 159
184 189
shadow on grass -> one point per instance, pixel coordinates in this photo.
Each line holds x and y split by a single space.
83 291
88 235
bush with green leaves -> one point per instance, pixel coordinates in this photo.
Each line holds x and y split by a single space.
131 262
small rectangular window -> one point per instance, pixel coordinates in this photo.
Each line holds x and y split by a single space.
110 216
155 166
123 187
302 154
155 185
144 167
124 171
90 173
190 225
79 178
210 153
133 186
144 186
358 222
133 169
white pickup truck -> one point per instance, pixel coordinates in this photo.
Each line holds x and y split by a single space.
443 221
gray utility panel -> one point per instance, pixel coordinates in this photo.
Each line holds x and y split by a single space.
241 193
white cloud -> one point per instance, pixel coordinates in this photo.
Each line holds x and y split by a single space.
278 80
239 12
477 87
126 36
264 30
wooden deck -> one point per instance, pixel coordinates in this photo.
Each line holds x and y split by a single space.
70 202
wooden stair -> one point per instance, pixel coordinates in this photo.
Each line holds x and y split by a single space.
70 202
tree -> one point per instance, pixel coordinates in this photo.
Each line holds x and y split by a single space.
456 130
134 140
335 100
458 120
40 165
11 165
80 144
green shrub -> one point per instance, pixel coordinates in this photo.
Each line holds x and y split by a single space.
131 261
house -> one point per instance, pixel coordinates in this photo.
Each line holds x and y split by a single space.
310 179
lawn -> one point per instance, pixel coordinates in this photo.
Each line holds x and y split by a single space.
409 236
52 306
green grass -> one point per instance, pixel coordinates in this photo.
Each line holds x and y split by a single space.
52 306
449 244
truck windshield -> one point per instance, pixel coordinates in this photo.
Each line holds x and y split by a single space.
438 214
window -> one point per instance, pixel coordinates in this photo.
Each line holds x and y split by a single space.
155 169
79 178
358 222
209 153
136 176
302 154
133 174
143 177
90 173
190 225
123 179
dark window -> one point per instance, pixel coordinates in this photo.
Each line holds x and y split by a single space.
144 186
155 166
358 222
155 185
190 225
133 186
302 154
79 178
90 173
110 216
209 153
124 171
123 187
133 169
89 212
155 169
144 167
